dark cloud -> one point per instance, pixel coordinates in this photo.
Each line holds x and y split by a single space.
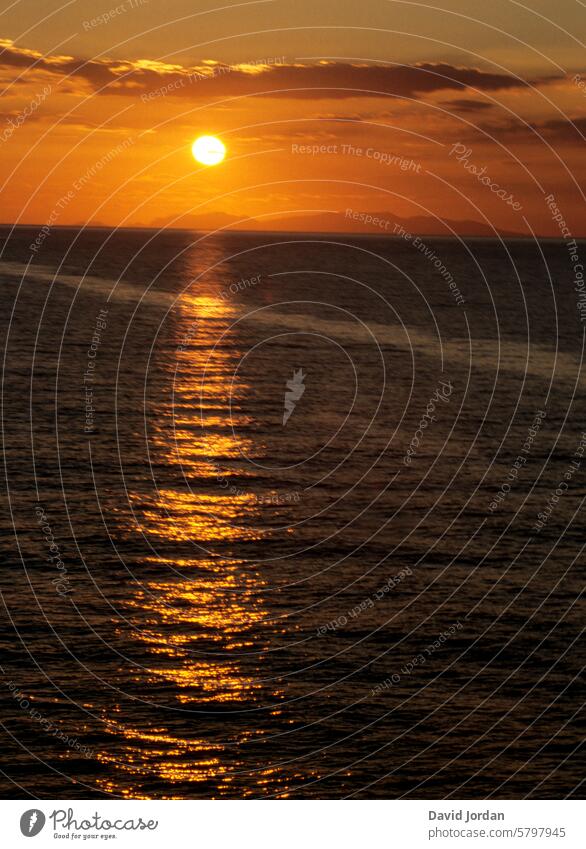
342 80
565 130
557 131
323 80
469 105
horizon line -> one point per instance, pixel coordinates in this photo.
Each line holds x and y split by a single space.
347 233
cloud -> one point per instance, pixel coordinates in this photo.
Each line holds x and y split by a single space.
570 130
339 80
557 131
469 105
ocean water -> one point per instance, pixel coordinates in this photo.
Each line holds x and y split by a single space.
290 516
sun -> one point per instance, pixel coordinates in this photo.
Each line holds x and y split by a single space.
208 150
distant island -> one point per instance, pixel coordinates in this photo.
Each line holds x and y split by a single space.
358 221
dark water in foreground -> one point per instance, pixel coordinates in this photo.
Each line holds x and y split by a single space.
216 604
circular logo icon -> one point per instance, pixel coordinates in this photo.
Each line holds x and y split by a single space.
32 822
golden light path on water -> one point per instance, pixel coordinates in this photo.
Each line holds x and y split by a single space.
195 621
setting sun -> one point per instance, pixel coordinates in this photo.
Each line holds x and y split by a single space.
208 150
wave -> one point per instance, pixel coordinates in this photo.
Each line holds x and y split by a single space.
505 355
108 288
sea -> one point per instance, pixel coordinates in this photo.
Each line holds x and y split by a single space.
290 515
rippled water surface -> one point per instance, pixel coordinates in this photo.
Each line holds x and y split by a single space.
201 600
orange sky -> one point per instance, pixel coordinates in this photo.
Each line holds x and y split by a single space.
97 121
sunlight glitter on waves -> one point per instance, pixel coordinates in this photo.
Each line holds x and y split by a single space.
219 682
218 611
193 628
224 569
202 307
181 760
236 420
209 447
198 763
186 517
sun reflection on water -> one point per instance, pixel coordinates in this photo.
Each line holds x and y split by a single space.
199 608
